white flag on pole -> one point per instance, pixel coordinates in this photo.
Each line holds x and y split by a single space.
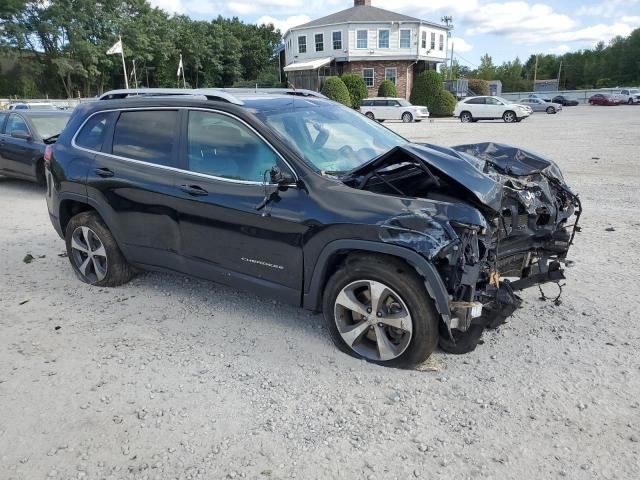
117 48
180 67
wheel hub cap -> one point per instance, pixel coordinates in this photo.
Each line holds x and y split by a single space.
373 320
88 254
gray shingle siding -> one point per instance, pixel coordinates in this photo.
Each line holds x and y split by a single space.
361 13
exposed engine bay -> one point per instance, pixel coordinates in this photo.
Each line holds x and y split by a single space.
500 219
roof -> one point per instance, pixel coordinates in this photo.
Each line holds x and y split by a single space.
310 65
361 14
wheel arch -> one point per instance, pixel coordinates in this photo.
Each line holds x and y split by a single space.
73 205
334 254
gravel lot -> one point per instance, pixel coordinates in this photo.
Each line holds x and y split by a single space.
170 377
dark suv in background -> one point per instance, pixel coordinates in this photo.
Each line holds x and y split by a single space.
298 198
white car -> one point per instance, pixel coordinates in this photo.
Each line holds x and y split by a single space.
630 95
33 106
388 108
473 109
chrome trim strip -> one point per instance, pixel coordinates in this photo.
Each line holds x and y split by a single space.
179 170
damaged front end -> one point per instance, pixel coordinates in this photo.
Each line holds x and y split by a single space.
498 220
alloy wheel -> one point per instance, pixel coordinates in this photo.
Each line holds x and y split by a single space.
373 320
407 117
509 117
465 117
88 254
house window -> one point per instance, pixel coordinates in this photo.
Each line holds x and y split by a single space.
405 38
337 40
424 39
319 38
302 44
391 74
361 39
433 41
383 38
367 74
441 45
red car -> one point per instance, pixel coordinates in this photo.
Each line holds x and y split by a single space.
602 99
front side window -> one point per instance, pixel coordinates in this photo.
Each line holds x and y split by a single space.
146 135
221 146
16 124
3 117
424 39
441 44
475 101
367 74
93 132
319 38
302 44
391 74
405 38
48 125
337 40
383 38
361 39
433 41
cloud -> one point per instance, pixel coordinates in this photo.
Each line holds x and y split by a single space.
608 9
171 6
558 50
284 24
461 45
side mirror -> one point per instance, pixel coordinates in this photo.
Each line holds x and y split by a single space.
280 177
21 134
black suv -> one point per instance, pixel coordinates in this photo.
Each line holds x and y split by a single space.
296 197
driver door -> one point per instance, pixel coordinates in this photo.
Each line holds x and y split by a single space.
225 235
16 153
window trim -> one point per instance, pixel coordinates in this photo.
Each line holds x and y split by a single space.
400 38
441 42
315 42
333 44
182 170
373 77
366 39
306 50
423 38
433 41
395 76
24 119
388 38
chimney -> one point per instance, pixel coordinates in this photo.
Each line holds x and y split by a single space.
361 2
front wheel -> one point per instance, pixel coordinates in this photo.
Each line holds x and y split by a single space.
509 117
551 110
630 101
465 117
94 253
369 115
377 308
407 117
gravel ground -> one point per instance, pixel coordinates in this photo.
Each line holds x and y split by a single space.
170 377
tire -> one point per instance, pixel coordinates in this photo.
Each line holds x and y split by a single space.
402 291
105 266
407 117
630 101
466 117
551 110
509 116
370 115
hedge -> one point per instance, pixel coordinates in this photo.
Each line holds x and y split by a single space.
478 86
335 89
443 104
356 87
425 88
387 89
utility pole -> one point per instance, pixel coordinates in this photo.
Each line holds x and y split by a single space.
559 72
135 75
451 62
535 73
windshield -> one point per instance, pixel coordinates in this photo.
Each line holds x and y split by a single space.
333 139
49 125
505 101
404 103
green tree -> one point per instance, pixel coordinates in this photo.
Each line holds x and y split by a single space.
335 89
356 87
486 70
387 89
425 88
443 104
478 86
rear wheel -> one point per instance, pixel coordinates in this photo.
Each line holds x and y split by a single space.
465 117
407 117
377 309
94 253
551 110
370 115
509 116
630 101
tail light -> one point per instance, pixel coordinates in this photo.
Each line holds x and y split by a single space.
48 152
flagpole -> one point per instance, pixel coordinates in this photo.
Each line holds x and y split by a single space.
184 83
124 65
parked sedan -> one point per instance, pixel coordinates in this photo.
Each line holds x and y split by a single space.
22 141
603 99
538 96
565 101
539 105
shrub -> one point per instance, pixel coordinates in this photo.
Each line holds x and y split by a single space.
336 90
443 104
425 88
478 86
356 87
387 89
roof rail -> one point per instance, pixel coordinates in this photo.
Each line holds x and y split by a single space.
209 93
282 91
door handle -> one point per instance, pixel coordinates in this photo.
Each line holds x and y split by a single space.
104 172
194 190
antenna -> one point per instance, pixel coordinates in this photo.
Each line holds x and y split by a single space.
447 20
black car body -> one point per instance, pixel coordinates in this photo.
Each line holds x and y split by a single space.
564 101
461 219
22 141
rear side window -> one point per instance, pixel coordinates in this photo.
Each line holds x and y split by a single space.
476 101
93 132
367 103
16 124
147 135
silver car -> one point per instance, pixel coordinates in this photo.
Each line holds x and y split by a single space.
388 108
539 105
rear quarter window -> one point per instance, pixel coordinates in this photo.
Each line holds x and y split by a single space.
93 132
148 136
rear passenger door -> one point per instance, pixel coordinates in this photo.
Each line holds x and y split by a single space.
224 236
132 183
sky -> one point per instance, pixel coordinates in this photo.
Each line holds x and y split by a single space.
504 30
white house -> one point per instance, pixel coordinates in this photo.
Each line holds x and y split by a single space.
374 43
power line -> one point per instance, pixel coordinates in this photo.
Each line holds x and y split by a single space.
468 61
